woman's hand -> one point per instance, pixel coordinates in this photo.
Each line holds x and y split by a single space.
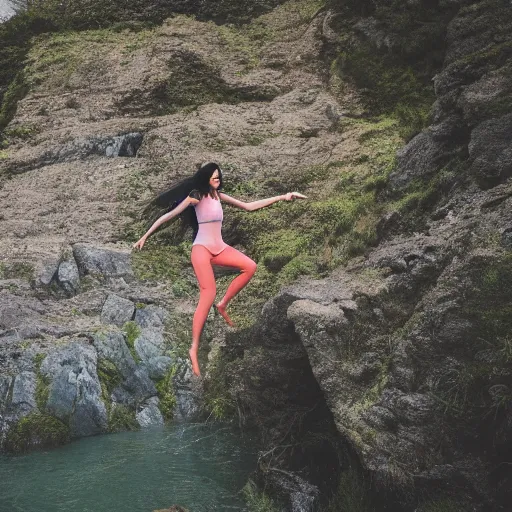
293 195
140 243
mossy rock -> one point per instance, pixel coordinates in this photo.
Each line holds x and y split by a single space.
166 394
36 431
122 418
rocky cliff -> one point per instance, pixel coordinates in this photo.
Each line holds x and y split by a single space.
379 374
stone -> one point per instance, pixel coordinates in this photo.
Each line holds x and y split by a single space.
23 400
102 262
506 238
5 384
125 145
158 366
47 273
149 344
68 276
136 388
424 154
75 391
117 310
151 316
491 152
386 223
149 415
187 405
112 346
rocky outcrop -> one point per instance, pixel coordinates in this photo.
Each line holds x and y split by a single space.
97 378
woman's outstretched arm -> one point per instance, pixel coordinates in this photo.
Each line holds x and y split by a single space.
261 203
164 218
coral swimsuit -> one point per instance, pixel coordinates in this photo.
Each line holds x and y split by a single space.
209 217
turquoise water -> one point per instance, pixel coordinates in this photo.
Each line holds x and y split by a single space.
200 467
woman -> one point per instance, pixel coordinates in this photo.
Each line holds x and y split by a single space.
202 191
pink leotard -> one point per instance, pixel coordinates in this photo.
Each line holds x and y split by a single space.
209 217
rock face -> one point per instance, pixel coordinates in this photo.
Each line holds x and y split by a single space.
74 394
397 347
401 358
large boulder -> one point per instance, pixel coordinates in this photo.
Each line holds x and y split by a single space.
102 262
75 391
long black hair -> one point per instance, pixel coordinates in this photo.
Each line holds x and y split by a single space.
171 198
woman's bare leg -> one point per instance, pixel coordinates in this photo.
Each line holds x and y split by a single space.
230 257
201 261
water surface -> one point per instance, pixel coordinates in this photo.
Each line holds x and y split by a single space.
201 467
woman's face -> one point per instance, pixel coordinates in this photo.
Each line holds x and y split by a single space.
215 180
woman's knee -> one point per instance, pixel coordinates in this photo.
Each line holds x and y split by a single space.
207 295
251 267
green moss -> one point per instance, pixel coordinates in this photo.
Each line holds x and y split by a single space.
21 132
110 377
16 91
217 398
258 501
42 383
442 505
388 86
36 431
157 262
352 494
17 270
132 332
279 248
463 392
122 418
166 394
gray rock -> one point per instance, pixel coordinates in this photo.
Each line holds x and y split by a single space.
158 366
75 390
491 151
116 146
149 415
112 346
381 418
117 310
47 273
17 312
325 317
68 277
506 238
386 223
24 394
151 316
89 416
424 154
366 367
150 343
106 263
5 384
374 31
187 405
411 408
479 99
136 388
123 145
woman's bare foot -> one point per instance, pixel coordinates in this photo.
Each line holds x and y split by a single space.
222 310
193 358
